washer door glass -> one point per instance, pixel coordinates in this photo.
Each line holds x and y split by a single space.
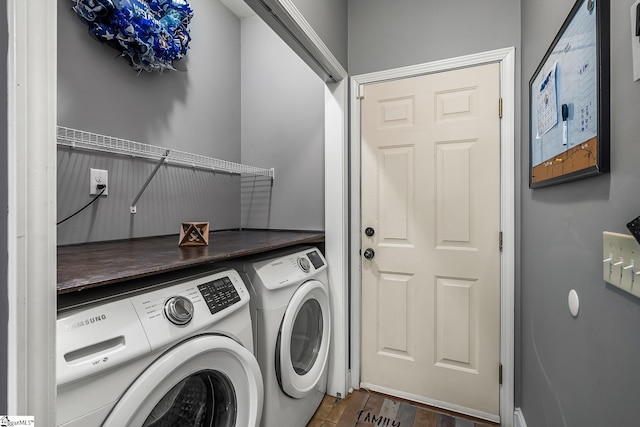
205 399
208 380
306 337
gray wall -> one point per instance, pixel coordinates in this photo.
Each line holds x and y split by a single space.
388 34
328 18
282 127
196 111
4 206
582 371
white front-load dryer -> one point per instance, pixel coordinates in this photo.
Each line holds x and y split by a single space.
292 329
174 354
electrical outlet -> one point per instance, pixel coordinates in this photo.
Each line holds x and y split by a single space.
96 177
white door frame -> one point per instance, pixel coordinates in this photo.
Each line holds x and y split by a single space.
31 238
506 59
336 220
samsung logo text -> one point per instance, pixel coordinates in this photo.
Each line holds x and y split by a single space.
85 322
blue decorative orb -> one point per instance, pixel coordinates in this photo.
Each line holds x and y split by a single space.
149 34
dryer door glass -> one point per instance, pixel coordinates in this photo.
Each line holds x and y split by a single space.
302 347
205 399
306 337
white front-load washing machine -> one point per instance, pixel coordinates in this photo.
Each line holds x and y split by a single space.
178 353
292 328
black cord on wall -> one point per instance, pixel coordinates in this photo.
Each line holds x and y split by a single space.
104 187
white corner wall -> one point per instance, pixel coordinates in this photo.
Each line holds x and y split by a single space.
283 128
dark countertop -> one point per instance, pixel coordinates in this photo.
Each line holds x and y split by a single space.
91 265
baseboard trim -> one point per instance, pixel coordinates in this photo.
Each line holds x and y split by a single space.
518 418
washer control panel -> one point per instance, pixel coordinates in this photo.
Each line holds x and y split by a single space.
219 294
102 336
192 304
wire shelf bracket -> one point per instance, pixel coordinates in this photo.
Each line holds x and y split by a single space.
79 139
133 209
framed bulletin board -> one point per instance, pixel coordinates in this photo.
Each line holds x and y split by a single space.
569 100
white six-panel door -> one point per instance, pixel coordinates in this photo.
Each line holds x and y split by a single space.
430 189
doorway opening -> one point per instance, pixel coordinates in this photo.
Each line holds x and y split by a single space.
505 58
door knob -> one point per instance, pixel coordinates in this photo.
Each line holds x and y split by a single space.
369 253
369 231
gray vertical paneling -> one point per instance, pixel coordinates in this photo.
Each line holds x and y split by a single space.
175 194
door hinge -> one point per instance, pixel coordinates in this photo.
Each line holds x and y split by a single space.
361 92
500 241
500 108
500 375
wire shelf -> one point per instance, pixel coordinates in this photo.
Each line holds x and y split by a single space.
80 139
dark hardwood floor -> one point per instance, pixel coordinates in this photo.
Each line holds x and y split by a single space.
363 408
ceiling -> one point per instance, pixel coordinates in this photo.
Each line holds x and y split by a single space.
239 8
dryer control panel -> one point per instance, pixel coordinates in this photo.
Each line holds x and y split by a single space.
315 258
290 269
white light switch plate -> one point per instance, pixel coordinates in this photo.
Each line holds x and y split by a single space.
621 261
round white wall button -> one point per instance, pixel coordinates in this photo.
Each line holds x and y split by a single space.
574 303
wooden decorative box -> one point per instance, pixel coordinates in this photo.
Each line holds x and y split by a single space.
194 234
